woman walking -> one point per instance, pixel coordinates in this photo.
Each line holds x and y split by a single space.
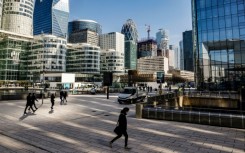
121 128
52 101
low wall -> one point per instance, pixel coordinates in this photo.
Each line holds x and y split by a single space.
207 118
208 102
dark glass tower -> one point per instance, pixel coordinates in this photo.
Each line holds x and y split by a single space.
219 43
131 38
188 51
51 17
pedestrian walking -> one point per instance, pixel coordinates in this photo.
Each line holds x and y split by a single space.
65 95
52 101
29 103
61 97
33 100
121 128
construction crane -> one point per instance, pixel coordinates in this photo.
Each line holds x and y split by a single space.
148 30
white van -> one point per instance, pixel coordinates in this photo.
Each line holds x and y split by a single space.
131 95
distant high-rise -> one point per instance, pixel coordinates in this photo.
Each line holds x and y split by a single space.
51 17
188 51
162 38
17 16
181 56
84 31
131 37
147 47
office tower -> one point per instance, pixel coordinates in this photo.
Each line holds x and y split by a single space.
188 51
219 43
84 31
162 38
51 17
153 64
147 47
17 16
47 54
112 46
83 58
176 56
131 37
181 55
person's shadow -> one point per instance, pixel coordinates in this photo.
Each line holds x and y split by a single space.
51 111
26 115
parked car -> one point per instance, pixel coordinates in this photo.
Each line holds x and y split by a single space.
131 95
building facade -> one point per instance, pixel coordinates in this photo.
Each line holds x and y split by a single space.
131 38
113 40
84 31
188 51
147 47
219 43
162 38
17 16
181 55
47 54
83 59
153 64
51 17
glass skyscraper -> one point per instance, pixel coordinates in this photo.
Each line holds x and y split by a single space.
188 51
219 43
131 39
51 17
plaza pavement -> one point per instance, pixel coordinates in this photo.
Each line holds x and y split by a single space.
86 124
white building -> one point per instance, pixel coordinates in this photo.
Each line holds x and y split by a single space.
83 58
17 16
48 54
112 56
153 64
113 40
162 38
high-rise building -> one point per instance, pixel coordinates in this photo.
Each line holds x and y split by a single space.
51 17
17 16
147 47
176 56
181 55
219 43
112 55
188 51
84 31
131 37
162 38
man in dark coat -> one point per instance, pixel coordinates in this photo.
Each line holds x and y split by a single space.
33 100
52 101
122 126
29 103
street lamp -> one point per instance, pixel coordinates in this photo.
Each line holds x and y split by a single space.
42 81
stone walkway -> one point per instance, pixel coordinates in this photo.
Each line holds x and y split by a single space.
86 123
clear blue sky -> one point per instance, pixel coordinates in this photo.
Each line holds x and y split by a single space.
173 15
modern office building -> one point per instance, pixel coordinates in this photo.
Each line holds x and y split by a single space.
188 51
17 16
47 54
113 40
219 43
162 38
176 56
84 31
153 64
112 55
112 61
131 38
13 56
181 52
51 17
83 59
147 47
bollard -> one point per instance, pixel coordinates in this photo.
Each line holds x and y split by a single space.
139 108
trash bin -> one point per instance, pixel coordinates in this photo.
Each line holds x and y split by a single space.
139 108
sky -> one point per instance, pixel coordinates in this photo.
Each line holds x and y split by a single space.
173 15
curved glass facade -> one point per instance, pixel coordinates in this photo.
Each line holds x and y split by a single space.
80 25
83 58
51 17
131 37
18 16
219 43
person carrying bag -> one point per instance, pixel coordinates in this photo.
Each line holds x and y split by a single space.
121 128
